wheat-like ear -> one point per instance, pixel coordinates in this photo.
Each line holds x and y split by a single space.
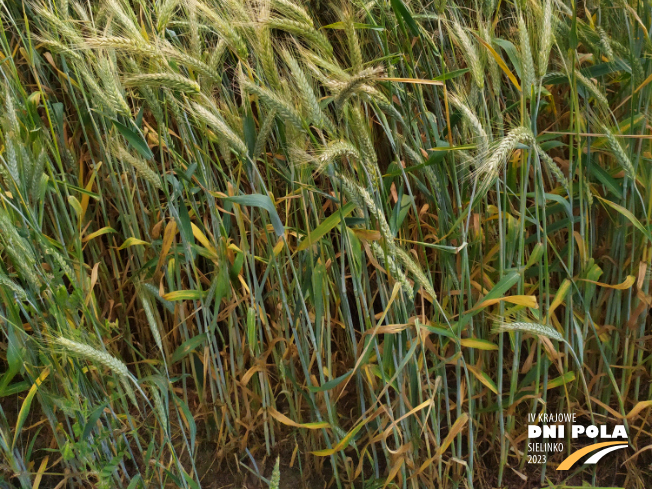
165 12
275 480
100 94
489 168
153 325
289 9
553 168
274 101
307 93
360 195
301 29
161 409
532 328
605 43
527 63
394 269
337 149
168 80
127 22
103 358
470 54
548 332
89 353
218 124
547 38
140 165
191 62
11 158
224 28
473 121
7 283
352 39
619 153
593 88
368 151
123 44
347 89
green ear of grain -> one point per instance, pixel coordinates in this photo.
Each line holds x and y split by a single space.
275 480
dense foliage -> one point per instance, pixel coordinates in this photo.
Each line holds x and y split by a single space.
369 237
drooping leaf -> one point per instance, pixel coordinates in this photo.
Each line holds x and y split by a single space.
404 15
188 346
326 226
135 139
262 202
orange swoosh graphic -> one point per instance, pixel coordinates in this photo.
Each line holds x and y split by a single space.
575 456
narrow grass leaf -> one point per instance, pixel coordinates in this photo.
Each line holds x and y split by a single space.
188 346
325 227
281 418
27 403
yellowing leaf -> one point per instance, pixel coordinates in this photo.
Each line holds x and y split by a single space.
559 296
457 427
132 242
640 406
344 442
483 378
99 232
366 234
201 237
278 247
478 344
168 238
521 300
24 410
564 379
629 281
75 205
282 418
419 81
499 60
184 295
